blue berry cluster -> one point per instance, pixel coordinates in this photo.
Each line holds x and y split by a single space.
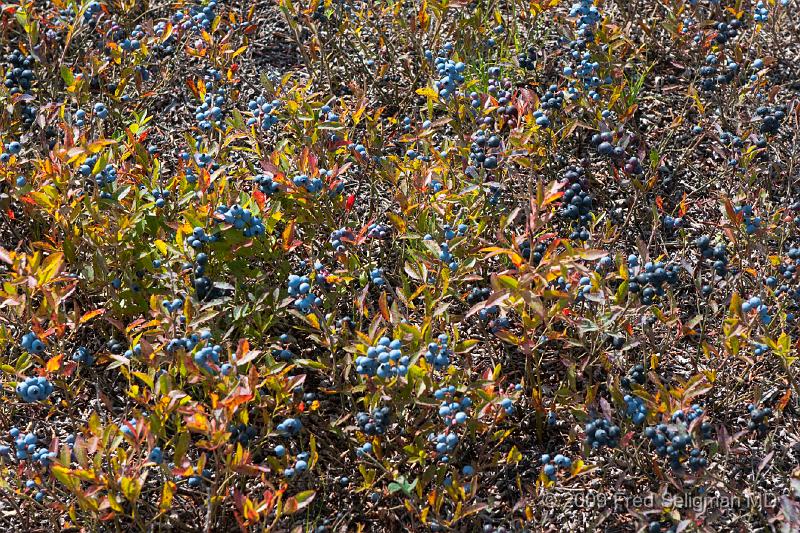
771 118
488 313
758 418
85 169
360 150
760 12
196 481
752 223
527 59
508 404
584 75
83 355
19 76
160 197
290 427
11 148
283 353
128 43
336 186
551 465
601 432
198 19
133 350
374 423
364 449
672 223
759 348
635 408
100 110
34 389
156 455
165 47
339 237
636 376
604 144
533 255
384 360
587 16
445 442
31 343
207 356
478 294
92 13
452 410
209 113
378 231
650 281
171 306
300 287
115 347
718 253
243 433
450 72
199 237
26 448
673 440
446 257
188 342
438 353
577 203
312 185
481 143
266 184
755 304
376 276
263 112
300 465
106 176
714 75
672 443
242 219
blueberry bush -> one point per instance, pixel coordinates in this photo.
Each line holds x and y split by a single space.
434 265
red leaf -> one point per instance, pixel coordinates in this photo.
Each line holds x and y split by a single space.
350 201
260 197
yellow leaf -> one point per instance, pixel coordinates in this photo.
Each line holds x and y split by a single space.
577 467
397 221
167 493
428 92
514 455
98 145
51 267
313 320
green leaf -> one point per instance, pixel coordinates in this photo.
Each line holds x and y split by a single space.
66 75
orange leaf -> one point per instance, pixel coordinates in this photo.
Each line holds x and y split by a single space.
249 511
288 236
54 363
197 422
243 348
90 315
382 304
